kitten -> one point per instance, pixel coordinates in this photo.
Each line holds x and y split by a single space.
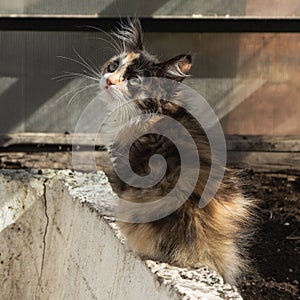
216 235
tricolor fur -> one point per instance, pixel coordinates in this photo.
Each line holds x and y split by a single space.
216 235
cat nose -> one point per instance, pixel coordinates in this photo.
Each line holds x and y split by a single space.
113 79
109 82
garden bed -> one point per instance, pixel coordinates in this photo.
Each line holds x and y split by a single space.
276 249
275 252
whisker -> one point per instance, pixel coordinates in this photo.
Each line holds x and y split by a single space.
120 107
75 90
72 59
114 43
86 64
114 49
80 63
98 77
80 91
71 75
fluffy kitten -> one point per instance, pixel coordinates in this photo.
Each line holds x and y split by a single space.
215 235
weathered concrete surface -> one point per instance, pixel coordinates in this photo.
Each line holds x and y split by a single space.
56 244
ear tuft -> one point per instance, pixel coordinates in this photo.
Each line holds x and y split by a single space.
178 67
131 34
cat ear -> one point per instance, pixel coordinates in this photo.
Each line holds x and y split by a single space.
178 67
131 35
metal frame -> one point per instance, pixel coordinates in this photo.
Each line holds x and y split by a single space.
157 24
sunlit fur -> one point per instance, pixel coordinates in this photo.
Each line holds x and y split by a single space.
215 236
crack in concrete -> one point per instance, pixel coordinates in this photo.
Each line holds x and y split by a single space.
39 285
80 272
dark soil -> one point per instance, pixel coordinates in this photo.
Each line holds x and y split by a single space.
275 252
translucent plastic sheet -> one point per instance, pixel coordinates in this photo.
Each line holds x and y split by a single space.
118 8
250 80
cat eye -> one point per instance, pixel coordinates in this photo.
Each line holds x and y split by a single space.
134 81
113 66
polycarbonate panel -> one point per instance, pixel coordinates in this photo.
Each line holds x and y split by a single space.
251 80
118 8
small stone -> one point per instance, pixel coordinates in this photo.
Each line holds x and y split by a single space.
291 178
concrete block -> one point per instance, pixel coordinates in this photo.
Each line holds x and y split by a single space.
56 243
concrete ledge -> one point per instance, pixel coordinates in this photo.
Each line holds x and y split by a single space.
55 243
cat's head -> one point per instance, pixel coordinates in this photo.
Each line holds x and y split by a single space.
130 71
